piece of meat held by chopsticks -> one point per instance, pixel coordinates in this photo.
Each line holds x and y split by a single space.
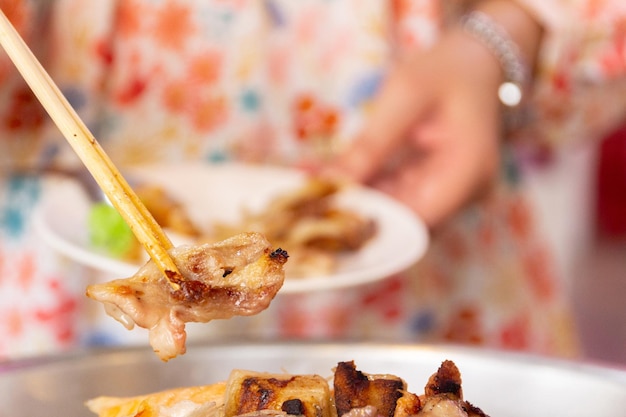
237 276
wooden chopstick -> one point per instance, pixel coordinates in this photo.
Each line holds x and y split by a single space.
113 184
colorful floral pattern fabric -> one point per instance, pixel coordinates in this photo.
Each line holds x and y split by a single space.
277 82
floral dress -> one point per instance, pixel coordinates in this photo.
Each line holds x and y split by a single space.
277 82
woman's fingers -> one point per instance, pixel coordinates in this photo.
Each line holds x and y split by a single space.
399 105
447 162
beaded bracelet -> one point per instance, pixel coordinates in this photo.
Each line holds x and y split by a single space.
497 40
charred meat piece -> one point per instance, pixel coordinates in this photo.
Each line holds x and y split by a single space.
249 392
355 389
407 405
443 395
447 380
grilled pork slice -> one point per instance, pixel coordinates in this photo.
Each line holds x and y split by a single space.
334 231
387 394
249 393
443 395
309 224
283 211
237 276
206 401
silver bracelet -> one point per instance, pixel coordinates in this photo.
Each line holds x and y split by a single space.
497 40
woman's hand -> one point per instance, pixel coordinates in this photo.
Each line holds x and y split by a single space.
432 138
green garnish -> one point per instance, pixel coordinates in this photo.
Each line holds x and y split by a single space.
109 232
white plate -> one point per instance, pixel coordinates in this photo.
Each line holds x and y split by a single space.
503 385
219 193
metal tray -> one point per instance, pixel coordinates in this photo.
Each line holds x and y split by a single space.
503 385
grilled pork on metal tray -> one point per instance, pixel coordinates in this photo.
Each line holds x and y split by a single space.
255 394
237 276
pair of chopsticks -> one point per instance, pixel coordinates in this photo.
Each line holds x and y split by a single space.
113 184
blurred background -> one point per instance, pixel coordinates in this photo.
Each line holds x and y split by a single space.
599 288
